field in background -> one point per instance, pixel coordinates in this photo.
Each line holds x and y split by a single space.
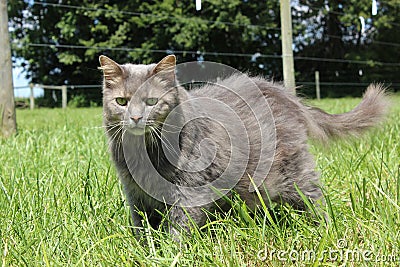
61 204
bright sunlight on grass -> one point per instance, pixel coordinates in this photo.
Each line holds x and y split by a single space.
61 204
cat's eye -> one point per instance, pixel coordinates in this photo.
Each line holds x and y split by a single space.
151 101
121 101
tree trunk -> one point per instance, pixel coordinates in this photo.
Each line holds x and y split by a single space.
8 125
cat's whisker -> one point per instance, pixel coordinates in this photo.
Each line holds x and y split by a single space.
113 136
166 143
115 133
120 133
111 127
166 131
164 125
123 131
116 137
105 126
95 127
153 140
158 135
170 125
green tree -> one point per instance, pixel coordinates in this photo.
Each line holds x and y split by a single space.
61 42
337 33
141 32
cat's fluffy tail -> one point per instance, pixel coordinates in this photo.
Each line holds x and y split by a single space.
370 112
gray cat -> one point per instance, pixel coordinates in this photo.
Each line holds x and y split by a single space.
179 151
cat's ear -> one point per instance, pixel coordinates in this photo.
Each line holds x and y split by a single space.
166 67
112 70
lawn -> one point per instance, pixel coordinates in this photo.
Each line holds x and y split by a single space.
61 204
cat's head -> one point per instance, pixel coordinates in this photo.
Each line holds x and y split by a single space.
138 97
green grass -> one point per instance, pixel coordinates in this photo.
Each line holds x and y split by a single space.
61 204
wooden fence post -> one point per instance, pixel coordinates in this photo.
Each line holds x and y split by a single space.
64 96
32 97
317 88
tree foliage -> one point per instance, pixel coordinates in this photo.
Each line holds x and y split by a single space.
337 33
61 41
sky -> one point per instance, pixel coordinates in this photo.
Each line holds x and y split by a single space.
19 81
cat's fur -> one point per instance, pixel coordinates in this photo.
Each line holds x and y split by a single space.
292 164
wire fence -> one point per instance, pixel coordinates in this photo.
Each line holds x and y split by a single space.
32 96
90 95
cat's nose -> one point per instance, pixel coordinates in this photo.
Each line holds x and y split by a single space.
136 119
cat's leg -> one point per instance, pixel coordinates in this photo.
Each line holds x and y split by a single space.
137 219
294 178
314 195
182 220
307 187
137 222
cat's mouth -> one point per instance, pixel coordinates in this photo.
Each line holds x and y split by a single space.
140 128
137 130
